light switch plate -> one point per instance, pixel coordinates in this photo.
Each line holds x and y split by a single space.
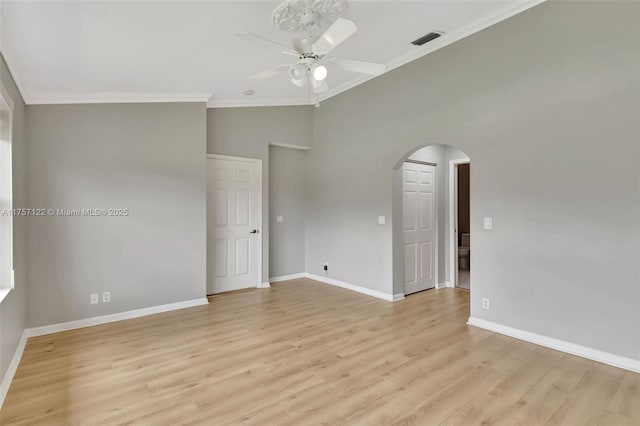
279 219
382 220
488 223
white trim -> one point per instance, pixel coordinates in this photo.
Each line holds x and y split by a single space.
436 221
559 345
232 158
287 277
398 296
13 366
8 100
453 219
116 98
264 285
445 40
444 284
369 292
104 319
245 103
7 272
4 292
291 146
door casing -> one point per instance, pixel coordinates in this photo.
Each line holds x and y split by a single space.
453 218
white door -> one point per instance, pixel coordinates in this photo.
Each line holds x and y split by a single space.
418 209
234 242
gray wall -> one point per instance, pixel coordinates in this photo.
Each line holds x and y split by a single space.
247 132
148 158
286 199
548 114
13 309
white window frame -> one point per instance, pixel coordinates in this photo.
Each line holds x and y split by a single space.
6 194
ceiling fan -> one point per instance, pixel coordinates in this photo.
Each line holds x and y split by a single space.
311 52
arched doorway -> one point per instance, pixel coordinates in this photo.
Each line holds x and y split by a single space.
431 204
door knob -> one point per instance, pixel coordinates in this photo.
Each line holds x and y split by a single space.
253 231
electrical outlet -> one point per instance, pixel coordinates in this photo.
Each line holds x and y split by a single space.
94 298
106 297
326 267
485 304
279 219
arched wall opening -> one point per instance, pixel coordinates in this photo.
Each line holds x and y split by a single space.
443 161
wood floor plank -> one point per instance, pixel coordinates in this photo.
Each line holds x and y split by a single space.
304 353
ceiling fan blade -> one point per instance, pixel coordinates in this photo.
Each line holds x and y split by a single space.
319 86
362 67
338 32
268 43
269 73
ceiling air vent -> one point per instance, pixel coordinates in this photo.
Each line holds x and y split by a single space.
425 39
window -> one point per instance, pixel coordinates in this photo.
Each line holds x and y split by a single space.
6 204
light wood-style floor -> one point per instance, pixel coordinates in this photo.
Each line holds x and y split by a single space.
304 353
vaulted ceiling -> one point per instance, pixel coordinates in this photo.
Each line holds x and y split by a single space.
138 51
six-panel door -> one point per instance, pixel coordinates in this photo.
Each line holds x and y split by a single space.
418 209
233 217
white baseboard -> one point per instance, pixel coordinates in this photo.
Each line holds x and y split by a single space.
264 285
374 293
398 296
559 345
286 277
104 319
13 366
444 284
342 284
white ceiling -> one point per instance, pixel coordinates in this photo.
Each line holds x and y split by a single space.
137 51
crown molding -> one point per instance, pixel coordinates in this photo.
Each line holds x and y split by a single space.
93 98
117 98
243 103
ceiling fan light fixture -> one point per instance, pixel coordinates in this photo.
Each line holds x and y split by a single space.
319 72
297 72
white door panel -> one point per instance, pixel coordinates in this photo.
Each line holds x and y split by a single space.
234 243
418 206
